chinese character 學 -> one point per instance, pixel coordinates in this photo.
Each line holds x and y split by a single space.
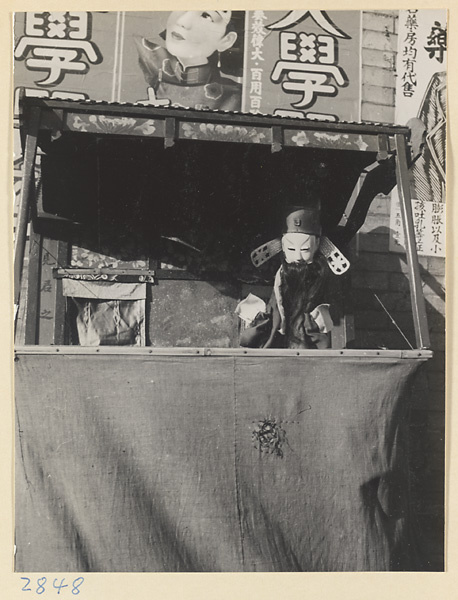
294 17
56 42
71 25
307 67
437 42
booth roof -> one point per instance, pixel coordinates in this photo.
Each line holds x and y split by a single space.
87 103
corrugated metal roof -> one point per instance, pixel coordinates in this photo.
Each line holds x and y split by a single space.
91 102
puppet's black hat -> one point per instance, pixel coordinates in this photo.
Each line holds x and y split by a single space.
299 219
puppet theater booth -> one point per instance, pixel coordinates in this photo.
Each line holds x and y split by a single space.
147 440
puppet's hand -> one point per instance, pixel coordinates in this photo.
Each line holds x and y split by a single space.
318 325
256 335
322 318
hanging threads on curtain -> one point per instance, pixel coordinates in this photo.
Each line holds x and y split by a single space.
87 315
116 317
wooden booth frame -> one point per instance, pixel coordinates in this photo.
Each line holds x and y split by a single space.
40 117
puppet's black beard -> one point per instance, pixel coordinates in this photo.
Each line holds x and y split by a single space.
300 282
301 285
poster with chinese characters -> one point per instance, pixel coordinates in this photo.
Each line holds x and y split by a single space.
135 57
301 63
298 63
421 92
293 63
64 54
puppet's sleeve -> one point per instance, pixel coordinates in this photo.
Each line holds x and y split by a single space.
318 325
264 330
322 318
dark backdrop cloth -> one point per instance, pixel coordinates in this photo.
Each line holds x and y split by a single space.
147 463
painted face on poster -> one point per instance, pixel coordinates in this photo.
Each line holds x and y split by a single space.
192 36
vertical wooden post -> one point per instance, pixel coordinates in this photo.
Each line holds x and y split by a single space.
343 332
416 292
27 193
60 303
33 289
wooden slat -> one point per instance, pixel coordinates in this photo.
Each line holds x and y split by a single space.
47 291
178 274
277 138
60 300
27 193
383 148
89 273
169 132
302 137
416 292
33 289
225 132
239 352
343 331
105 124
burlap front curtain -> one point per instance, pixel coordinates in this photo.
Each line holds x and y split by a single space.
193 463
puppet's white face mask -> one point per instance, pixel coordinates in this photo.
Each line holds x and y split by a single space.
299 247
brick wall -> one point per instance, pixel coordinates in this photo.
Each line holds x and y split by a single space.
377 270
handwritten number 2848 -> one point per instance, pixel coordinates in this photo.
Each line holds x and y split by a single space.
41 585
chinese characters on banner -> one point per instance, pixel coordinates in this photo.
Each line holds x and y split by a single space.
51 46
59 55
421 92
301 63
55 44
293 63
256 35
429 225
